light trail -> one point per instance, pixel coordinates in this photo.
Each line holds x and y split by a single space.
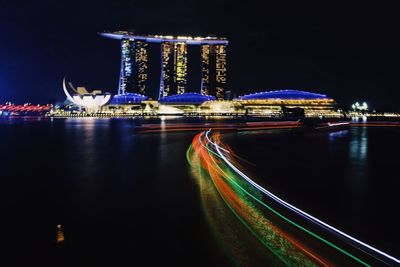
222 126
301 227
301 212
285 247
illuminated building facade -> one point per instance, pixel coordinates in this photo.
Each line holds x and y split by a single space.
126 73
277 104
180 67
173 69
173 77
205 69
220 76
213 70
273 102
166 77
91 102
141 60
133 74
187 98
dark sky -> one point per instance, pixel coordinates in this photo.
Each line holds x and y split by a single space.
350 52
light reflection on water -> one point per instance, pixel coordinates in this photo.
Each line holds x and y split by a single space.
338 134
358 165
359 145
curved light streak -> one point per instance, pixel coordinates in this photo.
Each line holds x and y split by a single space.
295 209
284 246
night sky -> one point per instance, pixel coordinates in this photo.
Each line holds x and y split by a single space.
349 52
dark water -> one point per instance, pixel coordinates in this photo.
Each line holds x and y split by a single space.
122 196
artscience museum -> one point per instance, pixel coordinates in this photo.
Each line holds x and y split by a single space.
90 102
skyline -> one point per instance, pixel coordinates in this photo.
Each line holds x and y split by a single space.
199 133
347 52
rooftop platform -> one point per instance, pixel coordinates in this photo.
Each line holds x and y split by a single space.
119 35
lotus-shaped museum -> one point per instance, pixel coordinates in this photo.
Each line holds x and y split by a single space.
91 102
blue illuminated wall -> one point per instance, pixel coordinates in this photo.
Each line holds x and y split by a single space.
187 98
127 98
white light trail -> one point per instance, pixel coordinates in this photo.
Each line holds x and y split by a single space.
295 209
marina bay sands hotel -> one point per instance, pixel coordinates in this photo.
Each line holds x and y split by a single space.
173 78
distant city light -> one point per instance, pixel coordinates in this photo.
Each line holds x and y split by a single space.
359 107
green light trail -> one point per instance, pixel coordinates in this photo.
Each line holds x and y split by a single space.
232 179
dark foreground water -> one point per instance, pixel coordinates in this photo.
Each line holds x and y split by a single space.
121 198
124 198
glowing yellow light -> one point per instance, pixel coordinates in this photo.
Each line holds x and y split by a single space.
60 234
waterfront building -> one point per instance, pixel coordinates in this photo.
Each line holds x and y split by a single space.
273 102
220 77
277 103
166 76
128 98
213 70
126 73
90 102
141 60
187 98
212 97
180 67
205 69
188 103
133 72
173 76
